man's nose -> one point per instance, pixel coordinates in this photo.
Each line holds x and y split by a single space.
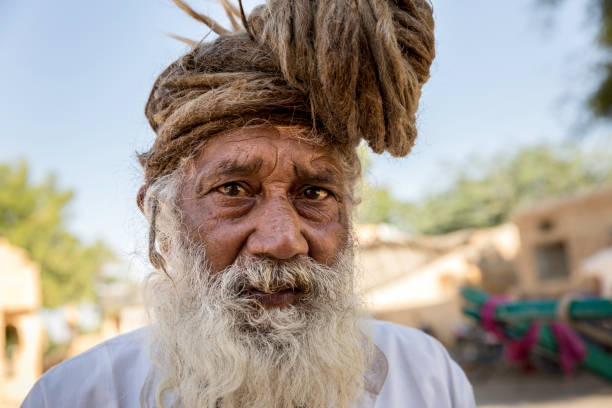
278 231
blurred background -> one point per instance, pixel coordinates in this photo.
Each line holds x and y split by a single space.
508 190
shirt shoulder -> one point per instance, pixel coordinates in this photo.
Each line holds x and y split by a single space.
108 375
421 372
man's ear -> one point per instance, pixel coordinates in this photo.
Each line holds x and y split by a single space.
140 197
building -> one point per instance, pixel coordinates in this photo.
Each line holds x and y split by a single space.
21 343
557 236
597 271
415 281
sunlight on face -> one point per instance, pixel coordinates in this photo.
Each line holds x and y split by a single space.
264 191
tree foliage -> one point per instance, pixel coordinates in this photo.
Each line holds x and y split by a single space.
377 203
484 193
33 217
600 100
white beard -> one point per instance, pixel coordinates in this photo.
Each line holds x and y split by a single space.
217 347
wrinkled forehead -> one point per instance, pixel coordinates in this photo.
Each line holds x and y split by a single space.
266 149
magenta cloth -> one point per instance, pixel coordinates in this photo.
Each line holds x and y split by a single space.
487 316
571 347
518 351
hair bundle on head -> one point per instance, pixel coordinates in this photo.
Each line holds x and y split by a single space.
347 69
361 63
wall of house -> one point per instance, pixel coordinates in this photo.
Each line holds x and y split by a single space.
20 300
562 232
424 292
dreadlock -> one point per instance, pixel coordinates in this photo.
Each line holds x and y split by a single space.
345 70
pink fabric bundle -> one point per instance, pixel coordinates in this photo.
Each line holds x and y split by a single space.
570 346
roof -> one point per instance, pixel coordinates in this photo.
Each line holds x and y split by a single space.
546 206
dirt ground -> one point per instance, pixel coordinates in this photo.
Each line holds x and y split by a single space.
505 386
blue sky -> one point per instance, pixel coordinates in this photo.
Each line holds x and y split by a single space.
75 75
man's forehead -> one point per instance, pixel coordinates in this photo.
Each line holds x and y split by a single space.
254 150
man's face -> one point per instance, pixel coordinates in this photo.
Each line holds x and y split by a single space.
263 191
255 234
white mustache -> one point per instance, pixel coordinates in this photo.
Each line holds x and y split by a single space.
301 275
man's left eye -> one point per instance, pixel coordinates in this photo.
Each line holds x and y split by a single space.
316 193
232 190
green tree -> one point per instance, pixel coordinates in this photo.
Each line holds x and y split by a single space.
379 206
377 203
33 217
488 192
600 100
484 193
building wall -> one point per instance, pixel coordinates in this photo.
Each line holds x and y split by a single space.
19 280
578 226
20 300
425 294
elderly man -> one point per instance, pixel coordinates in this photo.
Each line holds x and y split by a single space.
249 192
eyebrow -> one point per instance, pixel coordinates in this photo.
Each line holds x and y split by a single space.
228 168
323 175
238 168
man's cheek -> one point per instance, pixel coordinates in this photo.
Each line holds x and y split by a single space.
327 240
223 241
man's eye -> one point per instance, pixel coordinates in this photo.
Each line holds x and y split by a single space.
316 193
232 190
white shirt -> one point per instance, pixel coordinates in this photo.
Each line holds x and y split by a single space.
413 369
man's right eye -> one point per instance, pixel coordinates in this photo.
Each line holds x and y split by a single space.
232 190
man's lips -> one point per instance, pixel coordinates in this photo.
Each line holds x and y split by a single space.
281 298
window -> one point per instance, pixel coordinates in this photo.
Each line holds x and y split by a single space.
11 343
546 225
552 261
